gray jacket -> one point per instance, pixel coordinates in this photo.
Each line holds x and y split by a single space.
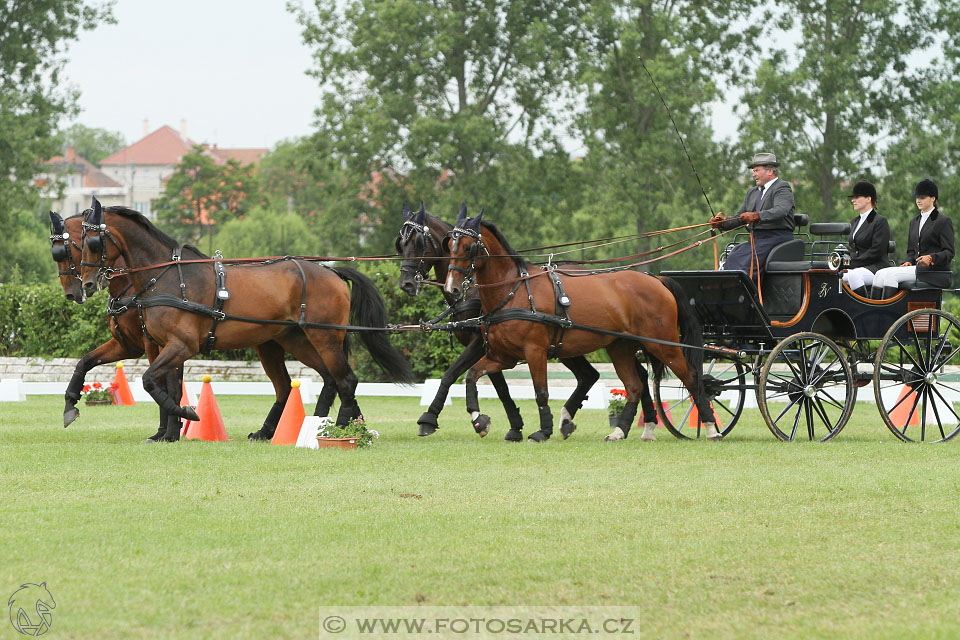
776 208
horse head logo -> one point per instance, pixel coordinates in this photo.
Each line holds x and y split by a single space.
30 608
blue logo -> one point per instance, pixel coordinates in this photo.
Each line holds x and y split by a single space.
30 607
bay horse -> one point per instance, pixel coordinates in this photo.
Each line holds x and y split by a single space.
280 301
129 341
621 302
420 243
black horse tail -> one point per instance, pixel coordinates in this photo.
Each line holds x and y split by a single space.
367 309
691 333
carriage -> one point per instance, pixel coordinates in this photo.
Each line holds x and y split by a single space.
806 347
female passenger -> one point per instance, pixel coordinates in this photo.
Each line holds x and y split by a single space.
929 247
869 239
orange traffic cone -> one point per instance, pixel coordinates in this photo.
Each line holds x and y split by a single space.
694 421
288 429
666 409
210 427
903 405
122 394
186 399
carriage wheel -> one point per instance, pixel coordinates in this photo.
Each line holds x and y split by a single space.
720 375
806 387
918 399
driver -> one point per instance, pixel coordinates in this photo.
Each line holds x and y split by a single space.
767 210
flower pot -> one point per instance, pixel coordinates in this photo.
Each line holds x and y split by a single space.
614 419
94 403
338 443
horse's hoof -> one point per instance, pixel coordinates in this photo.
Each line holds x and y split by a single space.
189 413
259 436
648 434
427 429
616 435
428 424
482 425
69 416
717 437
567 427
514 435
150 441
538 437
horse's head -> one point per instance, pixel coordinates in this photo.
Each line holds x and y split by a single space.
466 250
66 253
416 246
100 250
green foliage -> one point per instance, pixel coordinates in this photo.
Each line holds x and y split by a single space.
37 320
32 103
201 194
264 233
825 106
90 143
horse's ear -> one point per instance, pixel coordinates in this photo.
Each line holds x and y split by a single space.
445 244
97 215
421 216
405 212
56 223
462 216
474 223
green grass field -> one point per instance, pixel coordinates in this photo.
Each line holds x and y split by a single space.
746 538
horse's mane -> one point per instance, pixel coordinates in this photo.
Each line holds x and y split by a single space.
522 262
200 254
140 219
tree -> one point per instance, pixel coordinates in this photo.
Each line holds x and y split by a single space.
826 109
431 97
33 41
638 175
91 143
264 233
202 193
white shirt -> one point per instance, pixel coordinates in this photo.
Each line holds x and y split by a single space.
764 190
923 218
863 217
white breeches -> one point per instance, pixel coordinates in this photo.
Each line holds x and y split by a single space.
859 277
893 276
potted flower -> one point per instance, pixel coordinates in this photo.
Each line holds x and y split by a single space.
618 400
96 393
352 435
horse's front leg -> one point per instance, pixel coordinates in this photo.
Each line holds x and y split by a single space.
158 378
428 420
537 362
110 351
515 434
586 376
480 421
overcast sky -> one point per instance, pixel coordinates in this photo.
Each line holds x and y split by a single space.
234 70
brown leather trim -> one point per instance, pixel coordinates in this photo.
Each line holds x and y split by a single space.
857 296
803 306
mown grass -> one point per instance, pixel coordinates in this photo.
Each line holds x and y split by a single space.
748 538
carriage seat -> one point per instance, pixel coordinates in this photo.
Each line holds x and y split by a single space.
920 286
830 228
787 257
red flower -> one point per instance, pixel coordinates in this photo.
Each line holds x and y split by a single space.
618 392
97 385
85 389
113 386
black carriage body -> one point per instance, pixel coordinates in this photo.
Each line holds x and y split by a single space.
728 305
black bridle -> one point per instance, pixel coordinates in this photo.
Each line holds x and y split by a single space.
62 252
455 235
422 241
96 244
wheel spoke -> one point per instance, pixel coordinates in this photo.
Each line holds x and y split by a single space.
818 407
796 423
906 351
832 400
949 405
936 413
808 414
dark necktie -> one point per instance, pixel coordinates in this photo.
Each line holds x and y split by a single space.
756 207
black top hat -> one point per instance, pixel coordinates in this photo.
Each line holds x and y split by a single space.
864 188
926 187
